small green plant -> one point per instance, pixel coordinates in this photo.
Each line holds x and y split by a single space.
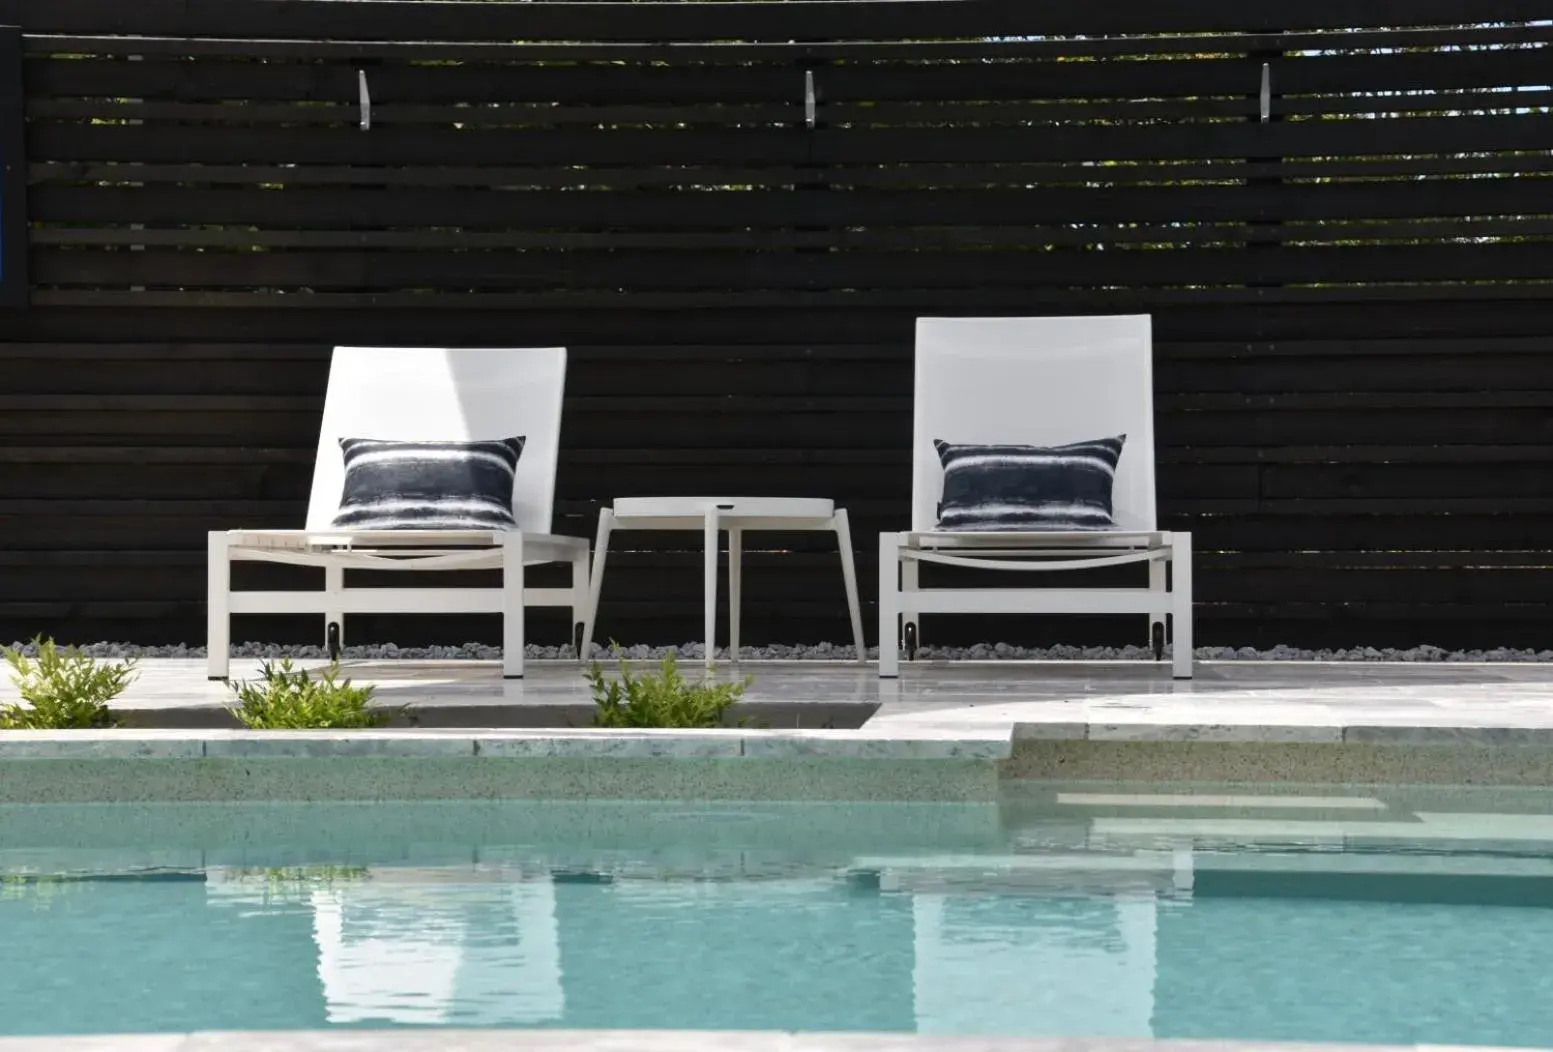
62 688
661 700
288 698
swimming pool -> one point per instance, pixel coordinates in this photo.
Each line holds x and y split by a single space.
1311 915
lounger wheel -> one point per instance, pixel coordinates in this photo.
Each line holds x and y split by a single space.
910 637
1157 638
332 640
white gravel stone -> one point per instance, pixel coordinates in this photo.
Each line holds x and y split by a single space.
831 652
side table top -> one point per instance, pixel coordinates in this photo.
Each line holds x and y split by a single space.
732 507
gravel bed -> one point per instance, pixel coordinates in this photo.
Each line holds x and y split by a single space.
837 652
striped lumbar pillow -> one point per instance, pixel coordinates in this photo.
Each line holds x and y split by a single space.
1029 487
428 485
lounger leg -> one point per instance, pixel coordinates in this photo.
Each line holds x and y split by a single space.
911 622
735 589
218 617
1157 581
710 598
581 600
596 580
889 605
334 588
512 604
1181 604
843 529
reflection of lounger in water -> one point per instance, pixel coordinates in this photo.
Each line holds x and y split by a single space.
450 954
992 965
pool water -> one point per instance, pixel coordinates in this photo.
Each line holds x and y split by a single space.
1203 912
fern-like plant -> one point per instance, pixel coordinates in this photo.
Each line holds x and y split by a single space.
62 688
662 700
288 698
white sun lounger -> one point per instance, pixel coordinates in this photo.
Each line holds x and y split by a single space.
425 394
1042 382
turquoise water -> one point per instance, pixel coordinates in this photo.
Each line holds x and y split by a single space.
1319 915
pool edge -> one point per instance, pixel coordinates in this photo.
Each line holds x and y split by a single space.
441 1040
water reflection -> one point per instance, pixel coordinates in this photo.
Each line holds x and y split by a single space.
1298 917
464 956
847 951
421 947
1075 965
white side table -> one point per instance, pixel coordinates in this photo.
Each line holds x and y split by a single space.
734 514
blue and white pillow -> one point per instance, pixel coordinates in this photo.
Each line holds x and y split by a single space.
1029 487
428 485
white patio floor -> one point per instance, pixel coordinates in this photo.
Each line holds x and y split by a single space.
1247 701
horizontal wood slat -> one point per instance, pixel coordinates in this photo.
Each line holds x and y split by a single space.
1227 171
307 207
601 79
907 19
154 143
847 114
610 270
1052 46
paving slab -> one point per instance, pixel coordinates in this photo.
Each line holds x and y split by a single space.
449 1040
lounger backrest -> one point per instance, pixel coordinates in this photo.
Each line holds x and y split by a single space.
433 393
1036 381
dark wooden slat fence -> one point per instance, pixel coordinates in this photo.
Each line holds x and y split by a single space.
1353 300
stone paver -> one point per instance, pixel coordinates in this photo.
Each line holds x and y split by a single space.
966 702
640 1041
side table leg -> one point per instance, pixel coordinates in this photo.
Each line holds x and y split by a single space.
710 620
735 588
596 582
849 575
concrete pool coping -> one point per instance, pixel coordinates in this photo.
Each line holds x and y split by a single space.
440 1040
916 765
988 733
582 743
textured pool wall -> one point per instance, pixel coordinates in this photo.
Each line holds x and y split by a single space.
1318 763
166 766
444 778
